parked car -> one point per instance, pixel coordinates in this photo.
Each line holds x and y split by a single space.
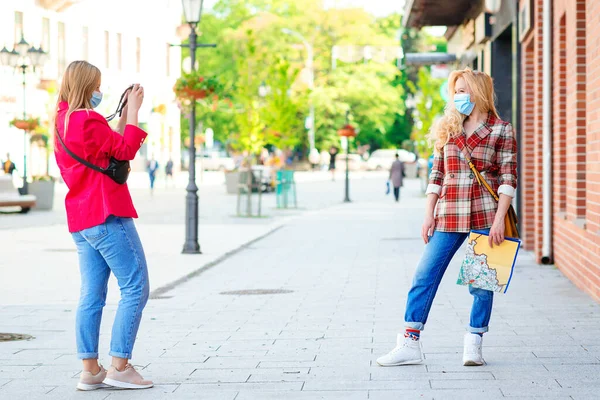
383 159
215 161
355 162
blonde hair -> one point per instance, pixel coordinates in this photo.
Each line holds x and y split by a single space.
79 81
450 125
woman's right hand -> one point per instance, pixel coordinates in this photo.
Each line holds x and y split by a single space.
135 98
428 227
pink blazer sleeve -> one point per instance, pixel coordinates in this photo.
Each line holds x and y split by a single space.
101 141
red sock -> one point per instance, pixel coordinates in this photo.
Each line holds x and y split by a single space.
414 334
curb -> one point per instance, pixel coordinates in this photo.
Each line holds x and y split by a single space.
158 292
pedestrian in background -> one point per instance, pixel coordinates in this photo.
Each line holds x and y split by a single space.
169 171
397 177
8 166
152 169
100 216
470 122
333 152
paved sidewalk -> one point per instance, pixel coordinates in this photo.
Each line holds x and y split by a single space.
347 270
39 254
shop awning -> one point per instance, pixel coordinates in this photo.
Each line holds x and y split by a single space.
429 58
420 13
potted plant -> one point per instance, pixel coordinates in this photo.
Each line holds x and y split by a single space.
42 187
28 124
193 86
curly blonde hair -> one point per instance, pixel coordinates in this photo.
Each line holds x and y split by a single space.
450 124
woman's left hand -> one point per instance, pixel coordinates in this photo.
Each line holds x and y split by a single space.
496 235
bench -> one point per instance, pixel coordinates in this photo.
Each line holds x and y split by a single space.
10 197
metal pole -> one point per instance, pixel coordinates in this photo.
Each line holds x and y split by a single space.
25 189
191 245
311 134
347 198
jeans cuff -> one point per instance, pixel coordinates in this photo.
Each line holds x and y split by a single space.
415 325
85 356
120 355
478 330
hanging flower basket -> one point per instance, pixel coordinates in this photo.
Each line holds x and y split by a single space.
194 86
347 131
25 124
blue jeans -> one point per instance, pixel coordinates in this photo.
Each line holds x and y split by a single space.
438 253
112 246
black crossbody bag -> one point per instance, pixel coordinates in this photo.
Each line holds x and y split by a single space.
117 170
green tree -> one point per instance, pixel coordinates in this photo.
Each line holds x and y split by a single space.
280 113
430 105
365 90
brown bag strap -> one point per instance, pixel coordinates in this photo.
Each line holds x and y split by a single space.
478 175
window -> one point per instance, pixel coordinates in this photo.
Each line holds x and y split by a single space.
106 49
18 26
45 34
576 114
560 117
85 43
62 59
168 58
119 52
138 55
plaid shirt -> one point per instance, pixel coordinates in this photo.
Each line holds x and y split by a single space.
463 204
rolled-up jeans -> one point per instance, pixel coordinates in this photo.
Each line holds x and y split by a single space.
438 253
111 246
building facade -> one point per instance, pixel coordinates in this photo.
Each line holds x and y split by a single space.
127 45
544 58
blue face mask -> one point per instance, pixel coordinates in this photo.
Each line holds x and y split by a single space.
96 99
463 104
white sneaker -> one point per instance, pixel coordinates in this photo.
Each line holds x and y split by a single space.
472 353
406 352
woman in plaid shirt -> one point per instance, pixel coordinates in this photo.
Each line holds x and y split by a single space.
460 204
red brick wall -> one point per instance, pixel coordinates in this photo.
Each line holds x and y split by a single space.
530 182
576 237
576 140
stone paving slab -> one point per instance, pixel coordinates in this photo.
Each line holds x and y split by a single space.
348 268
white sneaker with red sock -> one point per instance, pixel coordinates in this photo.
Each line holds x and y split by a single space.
407 352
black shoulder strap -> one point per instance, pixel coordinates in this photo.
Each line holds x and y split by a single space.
77 158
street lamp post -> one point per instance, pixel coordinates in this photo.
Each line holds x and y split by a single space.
311 82
347 197
192 10
22 57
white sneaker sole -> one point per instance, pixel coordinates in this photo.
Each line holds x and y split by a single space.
126 385
410 362
86 387
471 363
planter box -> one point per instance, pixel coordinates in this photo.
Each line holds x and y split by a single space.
44 192
231 182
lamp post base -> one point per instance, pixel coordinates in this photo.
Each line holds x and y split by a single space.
191 245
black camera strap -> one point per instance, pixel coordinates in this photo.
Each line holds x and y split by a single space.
121 105
77 158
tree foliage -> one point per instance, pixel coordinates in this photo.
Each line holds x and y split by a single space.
252 49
